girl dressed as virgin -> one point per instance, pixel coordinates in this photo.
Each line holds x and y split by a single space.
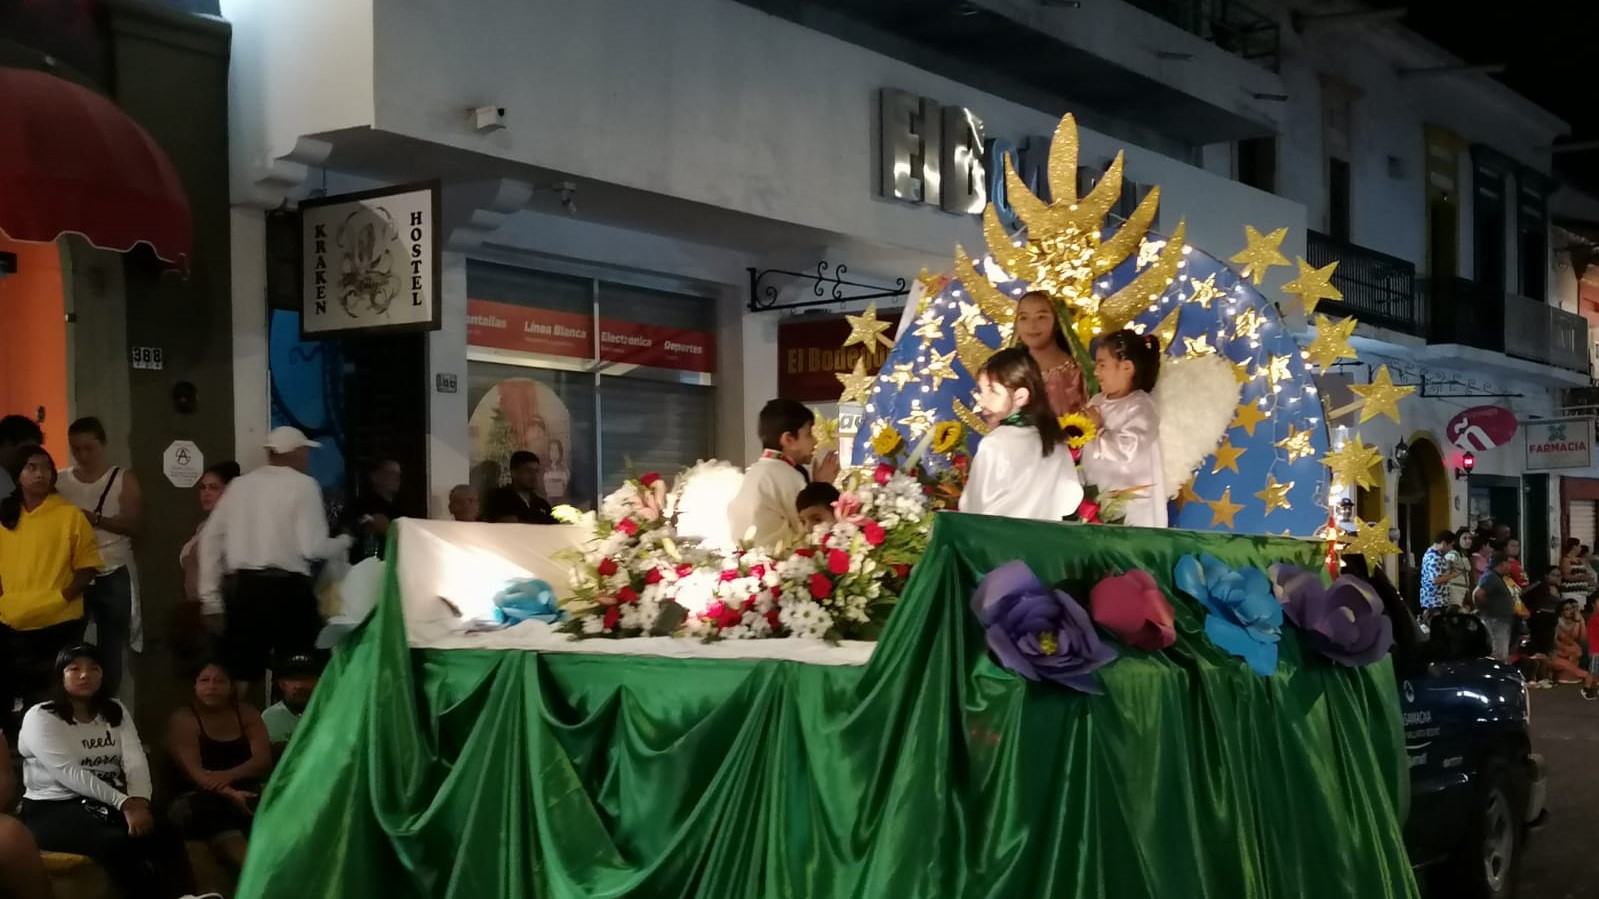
1039 330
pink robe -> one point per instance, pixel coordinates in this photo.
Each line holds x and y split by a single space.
1064 386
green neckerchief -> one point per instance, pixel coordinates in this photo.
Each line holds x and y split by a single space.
1017 420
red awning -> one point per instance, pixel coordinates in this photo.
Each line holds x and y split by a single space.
71 162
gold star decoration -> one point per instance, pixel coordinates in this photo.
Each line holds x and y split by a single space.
1205 292
867 329
826 432
1331 342
940 368
1275 496
1372 541
1352 464
1263 252
1248 324
1148 252
856 383
1297 444
1313 285
929 325
1278 372
1198 346
1186 495
1224 509
1247 417
902 374
918 421
1241 372
1381 396
971 316
1227 457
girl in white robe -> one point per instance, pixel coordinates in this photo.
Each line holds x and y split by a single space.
1126 451
1022 469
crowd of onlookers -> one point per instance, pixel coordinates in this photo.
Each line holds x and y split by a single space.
1549 626
86 785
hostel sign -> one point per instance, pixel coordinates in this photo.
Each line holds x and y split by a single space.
1560 443
369 262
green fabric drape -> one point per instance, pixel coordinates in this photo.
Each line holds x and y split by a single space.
930 772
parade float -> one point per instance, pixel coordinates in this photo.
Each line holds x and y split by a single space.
913 702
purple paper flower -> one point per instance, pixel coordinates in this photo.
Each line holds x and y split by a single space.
1344 622
1243 617
1037 631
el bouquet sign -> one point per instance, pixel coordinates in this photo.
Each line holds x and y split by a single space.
1559 443
369 262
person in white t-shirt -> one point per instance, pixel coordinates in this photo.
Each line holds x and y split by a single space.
262 539
87 783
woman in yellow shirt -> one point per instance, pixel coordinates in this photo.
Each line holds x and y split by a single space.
47 559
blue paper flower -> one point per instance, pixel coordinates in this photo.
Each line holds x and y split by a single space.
524 600
1244 617
1037 631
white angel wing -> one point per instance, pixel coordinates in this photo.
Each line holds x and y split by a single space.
1197 399
700 499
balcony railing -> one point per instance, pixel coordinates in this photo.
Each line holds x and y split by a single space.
1235 27
1378 289
1471 314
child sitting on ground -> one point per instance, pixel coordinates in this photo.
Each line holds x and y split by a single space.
763 512
815 505
1022 469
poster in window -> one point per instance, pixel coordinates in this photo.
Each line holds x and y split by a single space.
522 414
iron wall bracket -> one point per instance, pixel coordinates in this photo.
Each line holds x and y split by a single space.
827 283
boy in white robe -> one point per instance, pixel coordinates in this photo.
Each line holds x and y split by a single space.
763 512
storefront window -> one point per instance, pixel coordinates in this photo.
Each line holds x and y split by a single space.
600 378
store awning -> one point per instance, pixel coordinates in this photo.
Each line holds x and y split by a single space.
71 162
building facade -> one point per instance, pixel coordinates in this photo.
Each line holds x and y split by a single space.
594 210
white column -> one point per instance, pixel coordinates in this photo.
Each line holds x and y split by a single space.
252 390
449 450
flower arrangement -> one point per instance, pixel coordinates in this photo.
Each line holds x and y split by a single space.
652 567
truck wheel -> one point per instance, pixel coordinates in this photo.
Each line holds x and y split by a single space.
1485 864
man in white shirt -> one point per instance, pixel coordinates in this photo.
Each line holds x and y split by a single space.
763 512
256 553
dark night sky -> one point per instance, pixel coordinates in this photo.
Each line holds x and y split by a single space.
1551 48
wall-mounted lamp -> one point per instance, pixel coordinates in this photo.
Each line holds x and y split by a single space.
1467 463
1396 460
1346 510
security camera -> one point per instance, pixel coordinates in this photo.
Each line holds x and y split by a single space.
488 118
568 193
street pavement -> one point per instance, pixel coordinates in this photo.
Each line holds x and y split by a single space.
1562 858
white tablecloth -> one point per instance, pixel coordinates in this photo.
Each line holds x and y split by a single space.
445 564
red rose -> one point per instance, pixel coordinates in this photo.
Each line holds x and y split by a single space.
901 570
654 576
612 615
883 473
1089 511
1077 454
685 569
749 603
757 571
773 620
627 526
873 532
730 617
821 587
960 461
606 568
838 561
627 594
713 610
649 480
805 553
728 574
777 592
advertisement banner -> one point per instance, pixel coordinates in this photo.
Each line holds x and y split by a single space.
810 353
524 329
1560 443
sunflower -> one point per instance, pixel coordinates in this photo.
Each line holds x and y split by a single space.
886 441
947 436
1079 429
